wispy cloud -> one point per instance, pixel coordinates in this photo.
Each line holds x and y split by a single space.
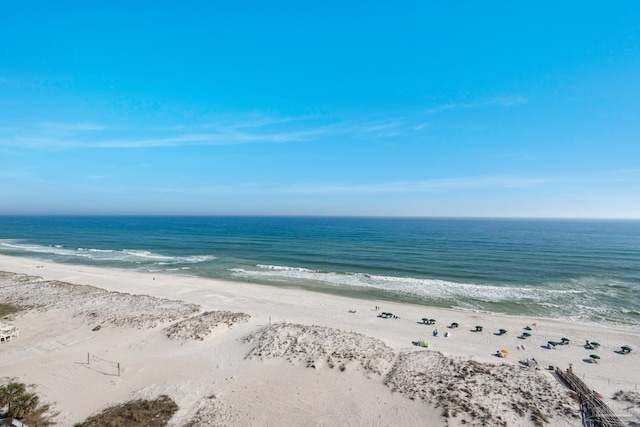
442 185
510 100
251 128
381 129
225 131
504 101
385 125
73 127
48 135
209 139
426 186
446 107
259 121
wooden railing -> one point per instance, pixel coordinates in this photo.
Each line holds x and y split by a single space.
594 409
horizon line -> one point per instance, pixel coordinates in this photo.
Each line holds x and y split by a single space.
195 215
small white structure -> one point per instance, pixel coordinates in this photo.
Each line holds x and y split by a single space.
11 422
8 330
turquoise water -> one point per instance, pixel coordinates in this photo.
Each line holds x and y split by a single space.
582 270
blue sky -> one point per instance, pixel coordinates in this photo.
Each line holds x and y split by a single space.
321 108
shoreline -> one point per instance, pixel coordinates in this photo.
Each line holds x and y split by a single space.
79 271
211 362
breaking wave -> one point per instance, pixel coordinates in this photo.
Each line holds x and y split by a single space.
132 256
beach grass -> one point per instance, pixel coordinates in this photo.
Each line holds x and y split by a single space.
141 412
7 309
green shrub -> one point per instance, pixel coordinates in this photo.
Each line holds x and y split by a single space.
143 413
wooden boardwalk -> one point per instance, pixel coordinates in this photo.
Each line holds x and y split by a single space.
593 408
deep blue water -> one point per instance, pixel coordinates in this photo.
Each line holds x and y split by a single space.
583 270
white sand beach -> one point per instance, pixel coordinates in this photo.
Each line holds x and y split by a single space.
240 354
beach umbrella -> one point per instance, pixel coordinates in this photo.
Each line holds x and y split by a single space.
432 321
565 340
626 349
502 331
454 325
595 344
594 357
425 320
526 334
478 328
552 343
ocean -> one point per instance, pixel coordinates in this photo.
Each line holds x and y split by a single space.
585 271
